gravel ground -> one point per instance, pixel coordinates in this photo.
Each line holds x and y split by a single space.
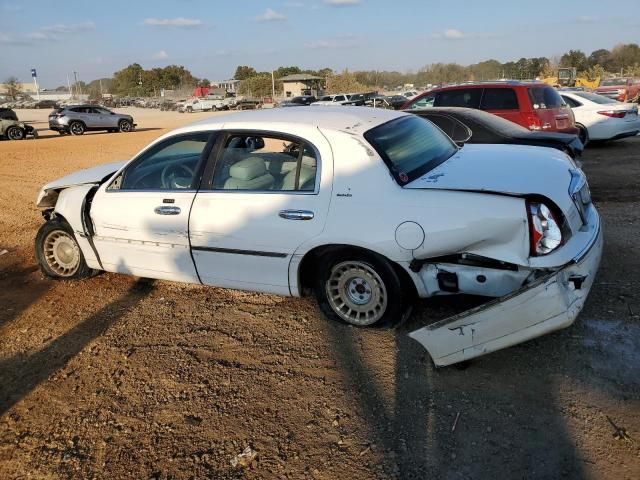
118 377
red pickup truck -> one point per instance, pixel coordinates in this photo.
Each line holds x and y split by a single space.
621 89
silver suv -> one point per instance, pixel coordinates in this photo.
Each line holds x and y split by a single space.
78 119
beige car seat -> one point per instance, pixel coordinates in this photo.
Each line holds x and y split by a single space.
249 174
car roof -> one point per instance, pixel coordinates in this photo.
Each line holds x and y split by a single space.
492 84
350 119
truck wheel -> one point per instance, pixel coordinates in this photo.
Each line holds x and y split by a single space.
189 110
360 289
124 126
58 252
77 128
15 133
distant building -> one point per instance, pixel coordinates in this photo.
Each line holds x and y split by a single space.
25 88
301 84
230 86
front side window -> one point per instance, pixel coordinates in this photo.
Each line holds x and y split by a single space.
265 163
410 146
499 99
423 102
170 165
463 97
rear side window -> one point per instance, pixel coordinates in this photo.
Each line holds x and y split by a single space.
571 102
410 146
499 99
469 98
545 97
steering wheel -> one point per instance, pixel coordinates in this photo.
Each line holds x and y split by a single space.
172 172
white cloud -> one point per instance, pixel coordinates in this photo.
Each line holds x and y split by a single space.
73 28
586 19
339 41
161 55
342 3
270 16
453 34
179 22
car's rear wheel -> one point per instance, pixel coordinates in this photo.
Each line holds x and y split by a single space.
189 110
360 289
125 126
583 134
77 128
15 133
58 252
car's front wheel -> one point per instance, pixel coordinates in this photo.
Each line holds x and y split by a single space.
125 126
15 133
58 252
360 289
77 128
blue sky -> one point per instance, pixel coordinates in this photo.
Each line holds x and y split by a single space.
212 37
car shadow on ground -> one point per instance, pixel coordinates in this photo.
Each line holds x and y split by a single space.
21 373
55 134
430 427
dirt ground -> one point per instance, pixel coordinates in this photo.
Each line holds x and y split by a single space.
118 377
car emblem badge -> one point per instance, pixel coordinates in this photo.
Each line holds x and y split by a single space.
403 177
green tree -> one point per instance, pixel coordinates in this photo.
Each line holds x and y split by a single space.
244 72
284 71
601 56
574 58
257 86
625 57
13 88
204 83
344 82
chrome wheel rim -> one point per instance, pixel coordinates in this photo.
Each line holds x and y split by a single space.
76 129
62 254
356 293
125 126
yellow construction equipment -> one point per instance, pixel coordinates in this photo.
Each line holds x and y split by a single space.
568 77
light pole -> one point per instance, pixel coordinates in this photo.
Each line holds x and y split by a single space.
35 81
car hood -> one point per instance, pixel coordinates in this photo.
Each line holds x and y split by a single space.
504 169
89 175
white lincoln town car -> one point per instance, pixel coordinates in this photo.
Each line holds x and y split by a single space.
364 208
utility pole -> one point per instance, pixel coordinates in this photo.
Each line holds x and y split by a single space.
75 77
273 87
35 81
69 86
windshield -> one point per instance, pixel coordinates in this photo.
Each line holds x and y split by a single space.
612 82
410 146
595 98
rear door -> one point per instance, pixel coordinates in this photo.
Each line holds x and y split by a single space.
459 97
265 195
502 102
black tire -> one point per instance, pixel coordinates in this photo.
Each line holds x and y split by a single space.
58 252
15 133
583 134
77 128
382 299
125 126
189 110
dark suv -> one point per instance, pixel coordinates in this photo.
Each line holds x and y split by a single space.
534 105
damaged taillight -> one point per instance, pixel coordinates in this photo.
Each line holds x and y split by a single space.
545 234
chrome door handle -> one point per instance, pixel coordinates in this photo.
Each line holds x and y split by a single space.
296 214
167 210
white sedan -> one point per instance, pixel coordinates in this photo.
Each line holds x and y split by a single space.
602 118
365 208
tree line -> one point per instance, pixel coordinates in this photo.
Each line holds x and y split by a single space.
133 80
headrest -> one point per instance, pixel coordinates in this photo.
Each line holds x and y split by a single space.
248 169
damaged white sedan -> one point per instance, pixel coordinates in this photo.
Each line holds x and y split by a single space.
366 208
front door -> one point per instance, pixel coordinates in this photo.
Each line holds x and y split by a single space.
141 217
266 196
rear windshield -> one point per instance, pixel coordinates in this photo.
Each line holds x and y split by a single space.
544 98
410 146
612 82
595 98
